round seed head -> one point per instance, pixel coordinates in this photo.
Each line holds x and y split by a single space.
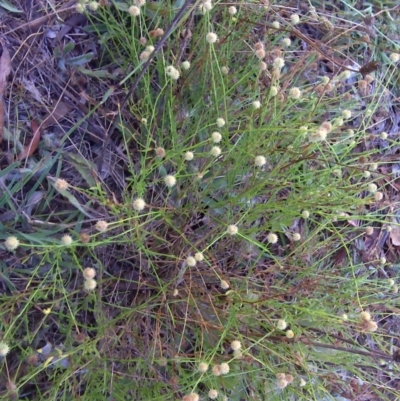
282 324
139 204
101 226
224 368
289 334
215 151
134 11
224 284
94 5
189 156
256 104
232 229
191 261
295 19
216 137
4 349
199 256
232 10
61 185
89 273
203 367
236 345
170 180
295 93
90 284
213 394
260 161
272 238
185 65
220 122
11 243
211 37
216 370
66 240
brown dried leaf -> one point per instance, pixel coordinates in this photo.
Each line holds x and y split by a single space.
30 149
57 114
395 236
5 69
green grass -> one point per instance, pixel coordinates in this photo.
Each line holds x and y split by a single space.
152 319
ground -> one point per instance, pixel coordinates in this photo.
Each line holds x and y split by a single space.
198 199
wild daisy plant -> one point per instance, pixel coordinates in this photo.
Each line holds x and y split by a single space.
238 246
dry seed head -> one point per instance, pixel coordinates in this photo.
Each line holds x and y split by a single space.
260 161
101 226
94 5
273 91
84 237
281 383
346 114
232 10
289 334
4 349
276 25
144 56
258 46
11 243
189 156
185 65
90 284
216 137
134 11
224 368
139 204
216 370
289 378
213 394
296 237
172 72
272 238
281 324
215 151
378 196
191 261
205 6
372 188
295 19
236 345
66 239
160 152
61 185
305 214
220 122
191 397
224 284
156 33
203 367
276 74
278 63
211 37
295 93
260 54
199 256
394 57
326 125
370 326
89 273
80 8
366 316
225 70
232 229
169 180
263 66
286 42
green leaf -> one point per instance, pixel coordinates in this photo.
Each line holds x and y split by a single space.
80 60
9 7
84 167
97 73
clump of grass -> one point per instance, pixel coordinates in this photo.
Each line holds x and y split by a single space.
222 270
